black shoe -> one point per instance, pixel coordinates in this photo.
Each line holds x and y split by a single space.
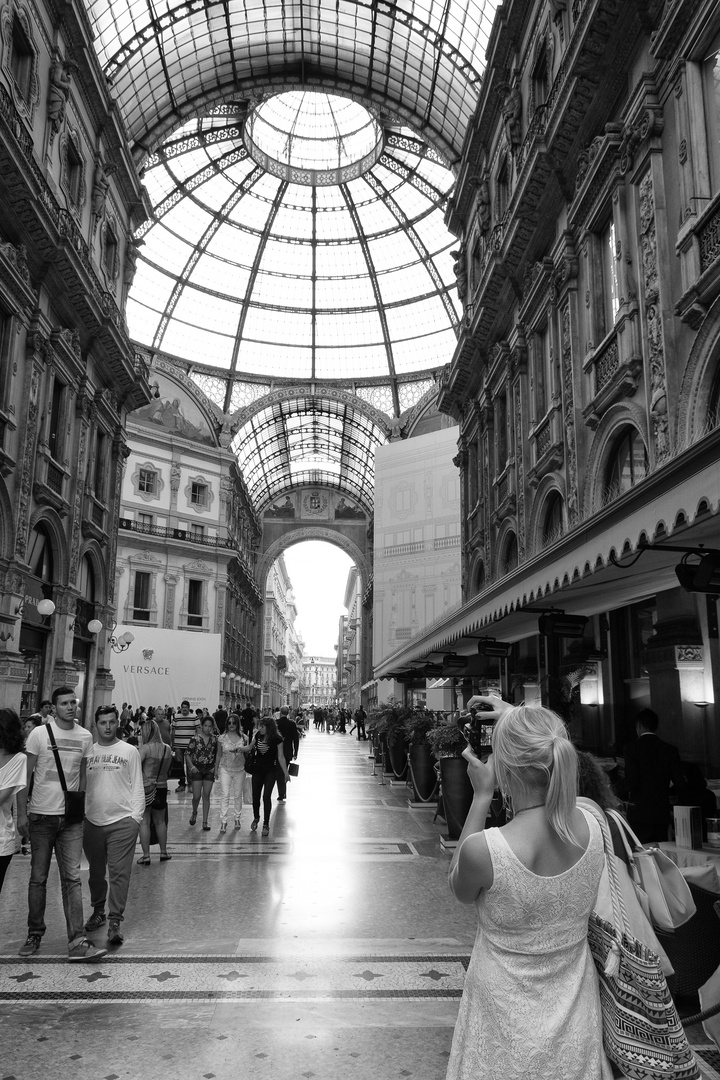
114 936
31 945
96 920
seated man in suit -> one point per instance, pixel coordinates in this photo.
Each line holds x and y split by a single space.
651 766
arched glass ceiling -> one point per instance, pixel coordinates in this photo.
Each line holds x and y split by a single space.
423 59
308 440
251 268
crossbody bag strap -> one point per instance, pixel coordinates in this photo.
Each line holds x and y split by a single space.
53 744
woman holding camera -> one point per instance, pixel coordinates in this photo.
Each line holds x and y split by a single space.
531 1006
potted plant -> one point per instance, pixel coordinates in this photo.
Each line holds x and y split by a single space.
447 743
388 722
421 764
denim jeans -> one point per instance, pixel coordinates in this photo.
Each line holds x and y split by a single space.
48 833
110 850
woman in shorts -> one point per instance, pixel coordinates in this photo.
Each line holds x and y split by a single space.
156 758
200 757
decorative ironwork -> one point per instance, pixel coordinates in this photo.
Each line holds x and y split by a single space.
606 365
709 238
543 439
54 478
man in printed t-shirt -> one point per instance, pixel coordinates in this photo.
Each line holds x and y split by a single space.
113 812
46 827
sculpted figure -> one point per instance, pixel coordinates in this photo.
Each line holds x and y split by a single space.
512 112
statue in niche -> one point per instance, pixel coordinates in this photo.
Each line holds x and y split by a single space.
61 75
396 428
101 184
484 205
460 271
511 113
131 257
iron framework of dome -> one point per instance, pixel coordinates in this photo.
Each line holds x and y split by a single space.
270 257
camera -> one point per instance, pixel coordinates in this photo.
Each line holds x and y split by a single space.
478 731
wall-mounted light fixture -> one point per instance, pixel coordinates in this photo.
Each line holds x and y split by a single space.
44 608
95 626
223 674
701 576
452 660
488 646
121 643
556 623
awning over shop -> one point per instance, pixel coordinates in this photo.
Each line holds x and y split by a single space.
676 505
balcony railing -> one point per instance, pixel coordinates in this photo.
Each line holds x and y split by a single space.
606 364
405 549
54 478
446 542
709 238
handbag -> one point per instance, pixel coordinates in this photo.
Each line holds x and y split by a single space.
635 900
669 898
293 768
251 762
642 1032
74 800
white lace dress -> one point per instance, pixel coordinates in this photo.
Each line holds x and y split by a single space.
530 1009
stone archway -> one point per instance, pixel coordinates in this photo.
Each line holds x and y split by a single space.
336 533
312 532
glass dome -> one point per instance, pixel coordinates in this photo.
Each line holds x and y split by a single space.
298 235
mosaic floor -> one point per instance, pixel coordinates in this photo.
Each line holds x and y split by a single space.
330 948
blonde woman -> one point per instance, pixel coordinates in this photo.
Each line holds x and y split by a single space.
233 745
531 1005
155 758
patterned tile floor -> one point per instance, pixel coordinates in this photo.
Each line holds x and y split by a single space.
330 948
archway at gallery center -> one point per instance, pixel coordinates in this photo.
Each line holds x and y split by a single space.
297 534
335 534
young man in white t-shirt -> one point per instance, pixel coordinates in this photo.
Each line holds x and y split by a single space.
114 808
43 820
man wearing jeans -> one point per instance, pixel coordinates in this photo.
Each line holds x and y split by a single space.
114 809
45 824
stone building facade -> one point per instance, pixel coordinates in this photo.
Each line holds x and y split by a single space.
586 380
70 201
188 532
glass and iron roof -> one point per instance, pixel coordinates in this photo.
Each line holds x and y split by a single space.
421 59
298 159
301 239
304 441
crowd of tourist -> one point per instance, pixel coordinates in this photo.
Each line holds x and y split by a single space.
534 879
65 790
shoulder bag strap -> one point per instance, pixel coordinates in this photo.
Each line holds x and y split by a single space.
619 913
53 744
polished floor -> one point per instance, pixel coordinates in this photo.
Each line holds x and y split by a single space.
331 948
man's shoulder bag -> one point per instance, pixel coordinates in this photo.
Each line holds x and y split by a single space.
74 800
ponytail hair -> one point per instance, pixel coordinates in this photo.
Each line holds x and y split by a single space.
532 750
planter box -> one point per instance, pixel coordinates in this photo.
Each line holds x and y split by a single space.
457 793
422 772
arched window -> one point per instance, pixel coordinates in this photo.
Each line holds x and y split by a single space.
553 524
713 413
628 464
478 582
87 580
509 559
40 556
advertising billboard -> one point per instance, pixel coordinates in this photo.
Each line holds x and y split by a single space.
163 667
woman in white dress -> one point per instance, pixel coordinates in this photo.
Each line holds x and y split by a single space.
530 1008
13 772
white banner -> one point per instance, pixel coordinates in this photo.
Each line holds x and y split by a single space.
163 667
